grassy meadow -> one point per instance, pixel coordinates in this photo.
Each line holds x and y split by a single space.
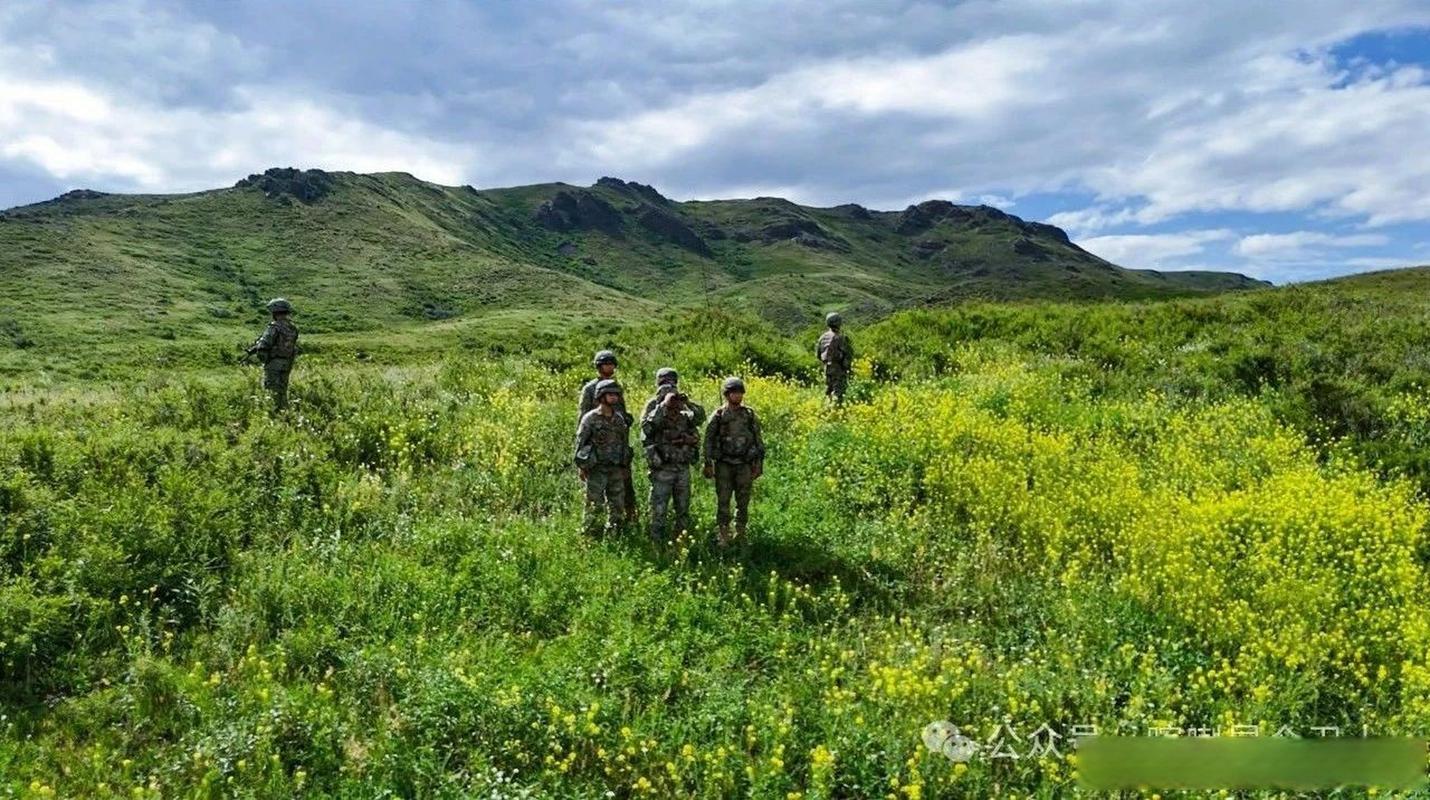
1195 513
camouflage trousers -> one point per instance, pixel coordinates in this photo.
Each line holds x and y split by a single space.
630 497
836 380
733 479
275 380
606 489
667 484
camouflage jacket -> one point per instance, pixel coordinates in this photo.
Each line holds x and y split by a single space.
671 439
835 350
733 436
588 402
279 340
602 441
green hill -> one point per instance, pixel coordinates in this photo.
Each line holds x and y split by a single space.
93 278
1192 512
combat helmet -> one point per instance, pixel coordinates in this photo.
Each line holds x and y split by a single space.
604 357
833 320
666 375
732 385
606 386
279 304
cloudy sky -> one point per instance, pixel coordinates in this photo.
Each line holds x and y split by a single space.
1286 139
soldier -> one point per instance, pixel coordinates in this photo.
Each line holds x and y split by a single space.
837 353
605 364
734 457
277 348
670 435
603 456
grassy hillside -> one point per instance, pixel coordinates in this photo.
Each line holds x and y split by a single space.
1127 514
93 284
387 592
1198 511
1345 360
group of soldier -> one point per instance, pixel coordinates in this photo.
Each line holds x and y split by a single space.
734 452
670 436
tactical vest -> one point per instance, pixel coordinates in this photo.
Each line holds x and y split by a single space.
677 439
735 435
608 440
833 348
285 340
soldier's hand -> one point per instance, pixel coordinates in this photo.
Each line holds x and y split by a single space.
584 473
756 470
708 471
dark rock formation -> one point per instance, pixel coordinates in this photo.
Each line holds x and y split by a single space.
80 194
790 229
927 247
671 228
579 209
1050 231
853 211
1030 249
925 215
304 185
638 191
919 218
800 230
713 232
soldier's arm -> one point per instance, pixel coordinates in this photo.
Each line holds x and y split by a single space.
265 339
583 435
848 353
759 443
586 403
697 410
652 420
710 436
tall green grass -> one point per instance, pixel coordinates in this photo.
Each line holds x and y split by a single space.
385 591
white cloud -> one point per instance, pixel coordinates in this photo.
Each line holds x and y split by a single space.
77 133
1154 250
1149 110
1302 245
975 82
91 130
1092 220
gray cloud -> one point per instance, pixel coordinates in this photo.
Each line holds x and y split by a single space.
1156 109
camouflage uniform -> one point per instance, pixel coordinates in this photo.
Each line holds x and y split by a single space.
735 450
588 402
277 347
671 440
837 353
603 450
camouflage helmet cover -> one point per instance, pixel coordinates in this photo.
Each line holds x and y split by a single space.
666 375
604 357
732 385
607 386
833 320
280 304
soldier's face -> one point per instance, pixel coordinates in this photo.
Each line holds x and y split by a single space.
606 369
735 398
610 398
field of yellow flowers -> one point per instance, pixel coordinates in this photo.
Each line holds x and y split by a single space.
386 593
